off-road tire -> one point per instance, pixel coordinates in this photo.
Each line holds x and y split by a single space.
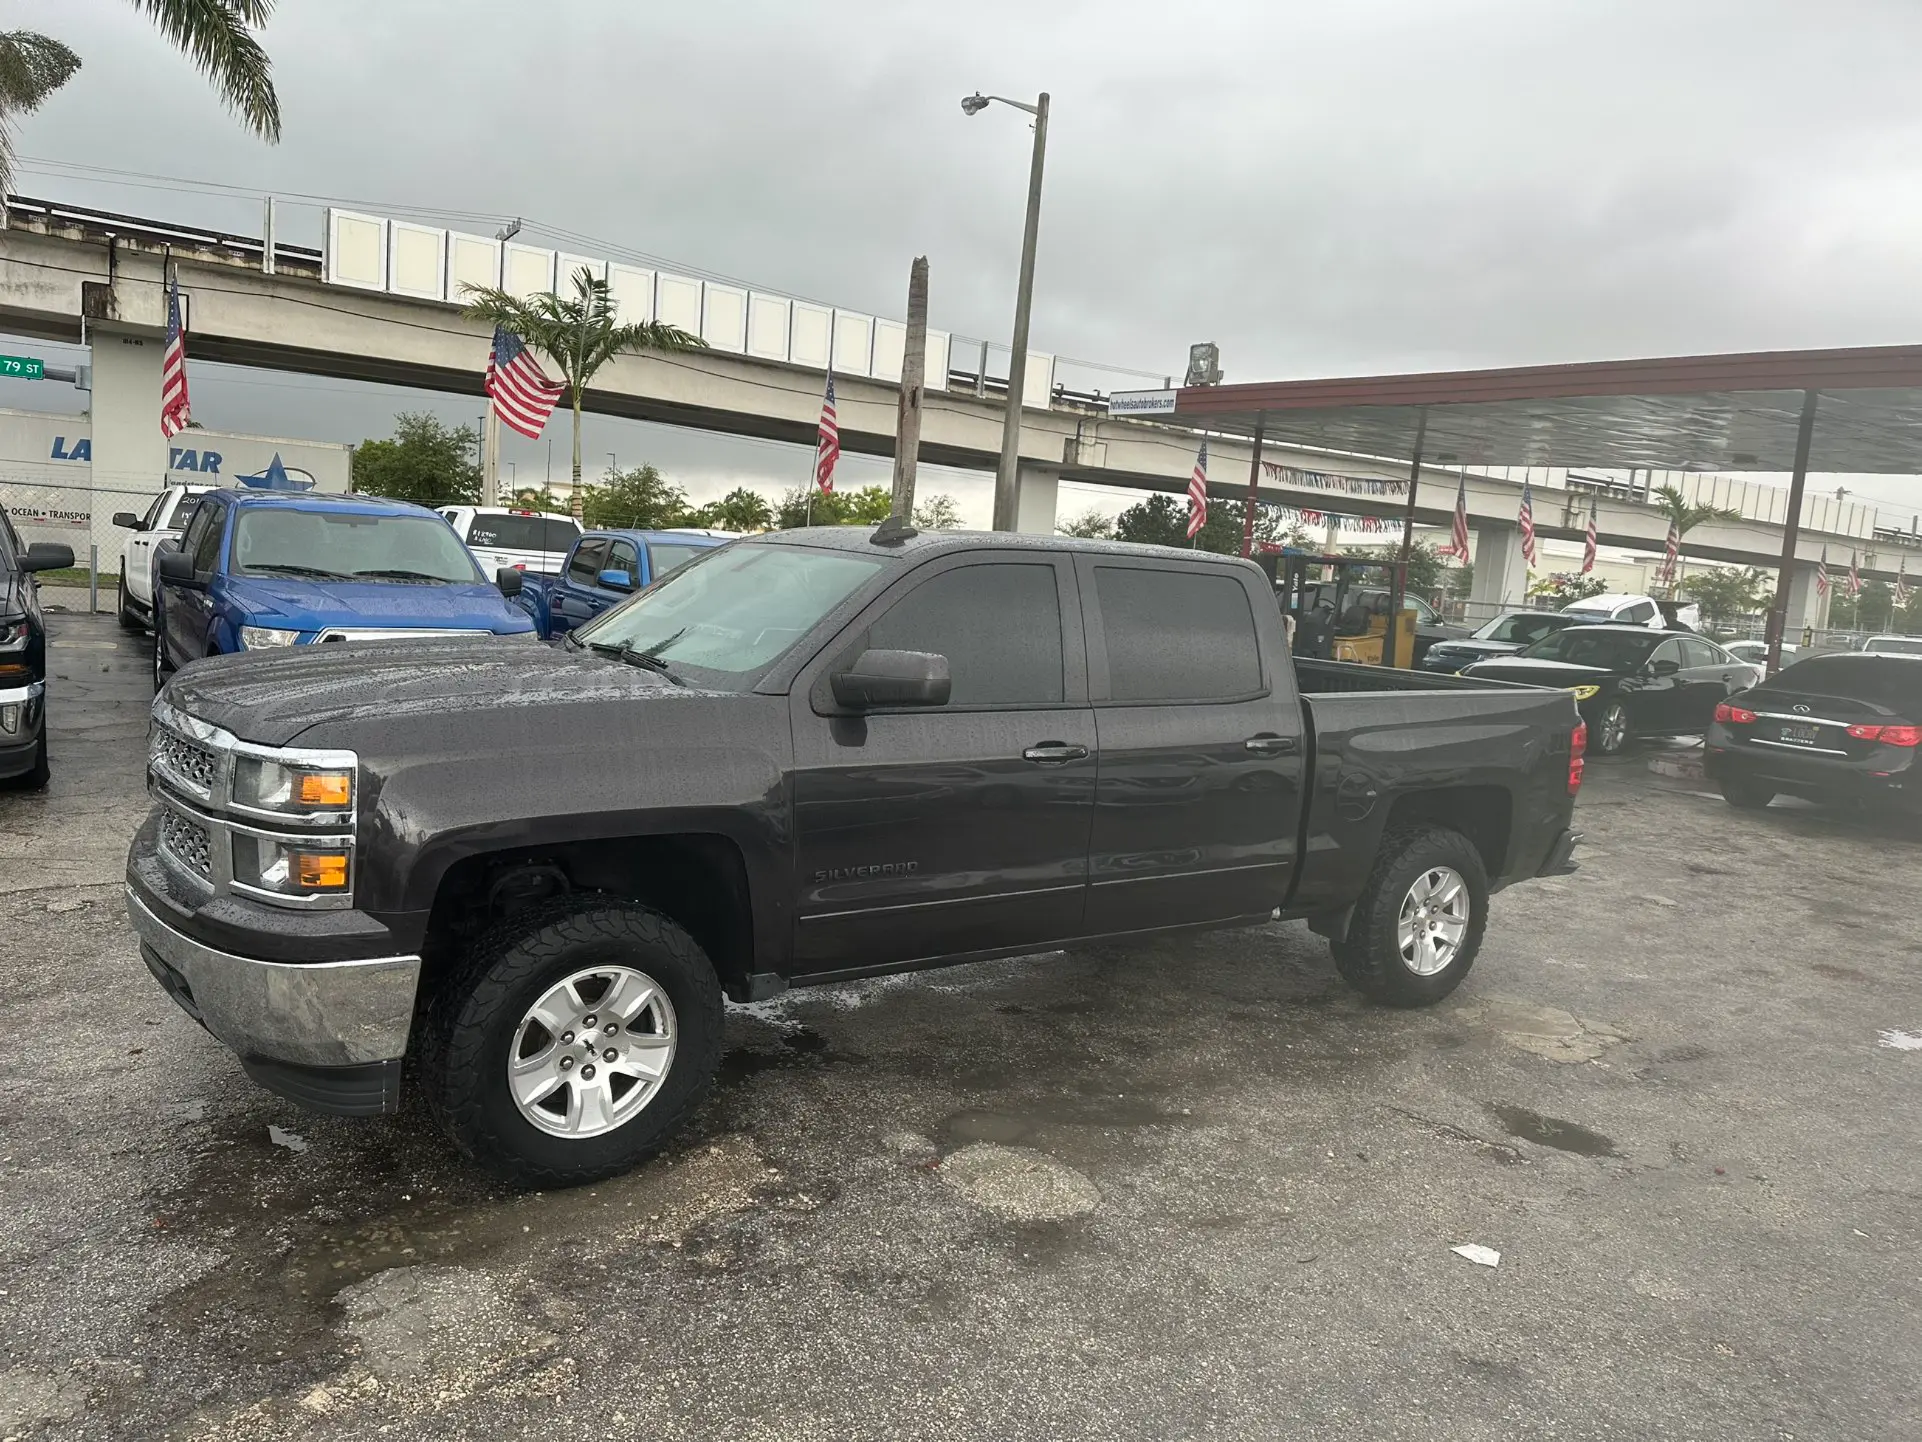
472 1017
123 611
1749 795
36 777
161 670
1369 957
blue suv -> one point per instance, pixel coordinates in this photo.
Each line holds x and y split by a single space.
256 570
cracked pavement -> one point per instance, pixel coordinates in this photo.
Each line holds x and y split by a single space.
1189 1189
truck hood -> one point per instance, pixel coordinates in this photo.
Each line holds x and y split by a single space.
1531 672
298 605
272 697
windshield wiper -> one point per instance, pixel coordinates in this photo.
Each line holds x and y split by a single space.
404 576
282 570
647 660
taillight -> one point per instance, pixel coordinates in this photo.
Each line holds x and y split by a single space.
1734 715
1888 735
1577 749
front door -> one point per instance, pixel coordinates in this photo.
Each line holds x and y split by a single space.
1659 701
1201 746
938 831
571 600
187 610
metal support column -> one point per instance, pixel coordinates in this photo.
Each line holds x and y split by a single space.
1791 532
1407 540
1254 482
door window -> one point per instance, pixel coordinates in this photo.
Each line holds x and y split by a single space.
151 521
1699 653
1639 614
1667 651
998 624
622 557
199 530
1177 635
585 569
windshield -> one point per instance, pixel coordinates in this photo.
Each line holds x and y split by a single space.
334 545
522 533
665 556
1899 645
1607 650
734 610
1523 627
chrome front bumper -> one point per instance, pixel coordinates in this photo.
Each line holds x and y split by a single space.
311 1014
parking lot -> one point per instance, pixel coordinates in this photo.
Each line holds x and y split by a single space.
1192 1189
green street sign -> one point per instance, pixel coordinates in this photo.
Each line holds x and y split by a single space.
23 367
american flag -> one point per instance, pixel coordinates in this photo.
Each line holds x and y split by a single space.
1458 542
1588 544
827 447
175 408
1822 574
523 395
1527 519
1671 548
1855 577
1198 494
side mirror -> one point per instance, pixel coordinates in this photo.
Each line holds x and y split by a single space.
510 580
46 556
1664 668
127 520
174 566
893 678
617 580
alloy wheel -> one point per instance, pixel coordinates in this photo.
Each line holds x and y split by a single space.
592 1052
1433 921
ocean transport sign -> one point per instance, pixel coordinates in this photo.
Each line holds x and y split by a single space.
1141 403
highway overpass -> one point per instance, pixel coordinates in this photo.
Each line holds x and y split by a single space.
87 276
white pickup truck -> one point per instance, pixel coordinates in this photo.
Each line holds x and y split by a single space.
166 517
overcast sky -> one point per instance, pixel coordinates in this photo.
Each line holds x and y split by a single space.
1326 188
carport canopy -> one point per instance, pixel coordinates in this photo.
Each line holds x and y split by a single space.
1857 410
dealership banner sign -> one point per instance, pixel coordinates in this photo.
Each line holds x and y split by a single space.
1328 481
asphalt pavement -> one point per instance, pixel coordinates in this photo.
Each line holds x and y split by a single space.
1188 1190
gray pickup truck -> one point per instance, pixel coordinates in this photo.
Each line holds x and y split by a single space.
803 757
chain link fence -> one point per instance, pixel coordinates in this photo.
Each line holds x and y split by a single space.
69 511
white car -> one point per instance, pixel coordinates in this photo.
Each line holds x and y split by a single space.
1756 652
1894 645
1630 610
501 537
165 518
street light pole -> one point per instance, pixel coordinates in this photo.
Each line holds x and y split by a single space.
1007 473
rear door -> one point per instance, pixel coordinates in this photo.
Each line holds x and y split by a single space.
934 831
1200 730
1658 703
1712 675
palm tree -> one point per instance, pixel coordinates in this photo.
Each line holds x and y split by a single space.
578 333
1685 514
217 35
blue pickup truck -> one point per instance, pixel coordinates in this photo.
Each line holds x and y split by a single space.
258 570
605 567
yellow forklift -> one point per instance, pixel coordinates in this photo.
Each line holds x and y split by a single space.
1344 608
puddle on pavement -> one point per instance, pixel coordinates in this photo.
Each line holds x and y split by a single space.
1012 1128
294 1231
1553 1132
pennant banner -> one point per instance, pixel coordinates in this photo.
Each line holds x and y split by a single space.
1328 481
1322 520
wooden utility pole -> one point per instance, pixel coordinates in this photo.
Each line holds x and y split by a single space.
914 365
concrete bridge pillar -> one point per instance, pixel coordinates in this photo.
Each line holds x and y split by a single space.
1037 488
1501 573
129 453
1808 608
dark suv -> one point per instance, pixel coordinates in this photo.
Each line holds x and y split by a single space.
23 658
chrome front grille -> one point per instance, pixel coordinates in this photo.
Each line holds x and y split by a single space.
195 766
187 842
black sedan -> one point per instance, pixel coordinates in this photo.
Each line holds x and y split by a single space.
1508 633
1837 727
23 658
1628 680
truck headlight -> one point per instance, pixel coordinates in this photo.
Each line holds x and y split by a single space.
275 786
13 635
262 638
291 867
1584 693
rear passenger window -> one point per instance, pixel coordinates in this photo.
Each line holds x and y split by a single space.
1639 614
1177 635
999 625
1699 653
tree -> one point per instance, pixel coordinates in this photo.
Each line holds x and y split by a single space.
641 499
217 35
427 462
937 513
1090 525
1156 521
739 510
1568 587
1427 566
578 333
535 498
1686 515
1728 593
868 506
1461 579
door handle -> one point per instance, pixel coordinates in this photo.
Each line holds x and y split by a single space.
1053 753
1270 745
